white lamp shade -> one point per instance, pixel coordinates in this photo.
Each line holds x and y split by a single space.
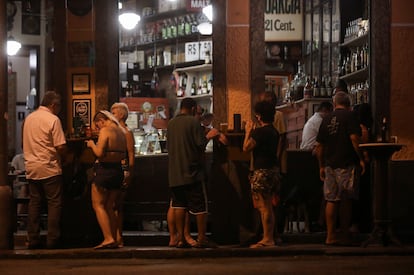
205 28
129 20
13 46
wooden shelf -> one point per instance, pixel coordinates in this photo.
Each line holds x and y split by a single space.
356 42
355 77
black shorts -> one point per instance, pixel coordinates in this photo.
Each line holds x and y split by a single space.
108 175
193 197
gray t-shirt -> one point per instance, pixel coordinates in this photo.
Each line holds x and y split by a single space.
186 144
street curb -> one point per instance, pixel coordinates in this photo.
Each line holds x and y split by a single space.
221 252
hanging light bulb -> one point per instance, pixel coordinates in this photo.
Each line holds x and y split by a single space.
129 20
13 46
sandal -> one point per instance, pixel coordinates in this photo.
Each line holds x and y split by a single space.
183 245
106 246
261 245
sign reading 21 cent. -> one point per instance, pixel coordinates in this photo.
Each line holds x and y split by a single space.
283 20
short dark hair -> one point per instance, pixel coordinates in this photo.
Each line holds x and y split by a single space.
342 98
188 103
271 97
325 106
50 97
266 110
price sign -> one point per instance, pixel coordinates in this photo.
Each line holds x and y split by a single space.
192 51
197 50
206 47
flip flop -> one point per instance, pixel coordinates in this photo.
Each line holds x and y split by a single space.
262 245
106 246
183 245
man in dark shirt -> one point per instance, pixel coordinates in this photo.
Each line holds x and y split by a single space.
186 144
340 163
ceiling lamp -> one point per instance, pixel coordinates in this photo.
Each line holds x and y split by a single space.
129 20
13 46
208 12
205 28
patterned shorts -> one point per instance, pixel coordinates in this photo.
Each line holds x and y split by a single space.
265 181
341 183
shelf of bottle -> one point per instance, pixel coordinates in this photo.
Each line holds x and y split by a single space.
356 42
162 43
202 96
195 68
177 66
357 76
165 15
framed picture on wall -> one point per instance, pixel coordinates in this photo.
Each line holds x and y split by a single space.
81 111
81 84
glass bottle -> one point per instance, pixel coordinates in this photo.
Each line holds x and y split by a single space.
193 87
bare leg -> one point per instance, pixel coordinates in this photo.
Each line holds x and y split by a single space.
331 210
201 227
179 216
109 206
187 230
172 227
99 197
265 208
119 212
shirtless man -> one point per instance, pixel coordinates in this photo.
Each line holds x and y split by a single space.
110 150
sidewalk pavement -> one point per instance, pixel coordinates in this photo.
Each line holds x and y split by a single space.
294 245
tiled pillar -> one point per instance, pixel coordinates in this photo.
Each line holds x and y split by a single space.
238 59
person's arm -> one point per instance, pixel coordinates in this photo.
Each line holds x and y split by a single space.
130 142
249 143
99 148
319 155
355 143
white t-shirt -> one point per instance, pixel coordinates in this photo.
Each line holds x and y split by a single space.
310 131
42 133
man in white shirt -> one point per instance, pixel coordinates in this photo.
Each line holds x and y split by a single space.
44 143
311 128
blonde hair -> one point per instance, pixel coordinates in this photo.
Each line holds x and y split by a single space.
123 109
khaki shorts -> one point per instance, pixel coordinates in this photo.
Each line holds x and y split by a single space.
341 183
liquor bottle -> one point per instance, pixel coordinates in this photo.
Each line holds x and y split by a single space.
164 30
358 61
200 84
329 87
323 87
299 82
348 65
187 25
193 87
210 84
181 26
204 87
316 88
168 29
174 27
308 90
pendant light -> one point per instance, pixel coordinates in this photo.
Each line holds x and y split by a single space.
13 46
